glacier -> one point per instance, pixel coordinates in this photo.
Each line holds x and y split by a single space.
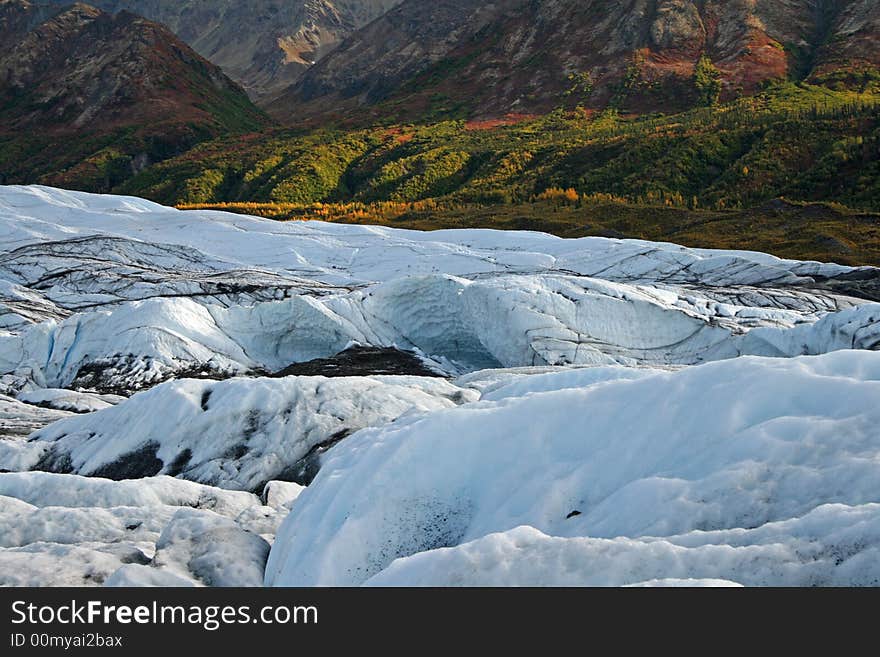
119 295
722 448
210 399
236 434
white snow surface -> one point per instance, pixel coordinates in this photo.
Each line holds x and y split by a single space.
825 548
66 530
68 400
773 462
236 434
143 293
359 254
616 412
43 489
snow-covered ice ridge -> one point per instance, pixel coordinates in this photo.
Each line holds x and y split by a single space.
118 294
607 412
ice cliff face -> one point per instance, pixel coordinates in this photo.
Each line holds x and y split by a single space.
461 404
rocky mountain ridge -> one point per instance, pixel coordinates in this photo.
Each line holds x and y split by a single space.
264 45
116 87
490 58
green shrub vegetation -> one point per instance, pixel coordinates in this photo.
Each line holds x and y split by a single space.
558 172
797 141
707 81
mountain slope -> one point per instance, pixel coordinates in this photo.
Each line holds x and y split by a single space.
118 90
265 45
519 56
848 39
797 141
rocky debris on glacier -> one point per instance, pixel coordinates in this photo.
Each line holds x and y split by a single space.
65 530
236 434
753 470
366 361
68 400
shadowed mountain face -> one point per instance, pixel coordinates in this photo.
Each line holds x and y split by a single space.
317 59
82 68
88 75
849 34
265 45
526 56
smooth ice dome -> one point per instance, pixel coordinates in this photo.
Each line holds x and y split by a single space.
743 453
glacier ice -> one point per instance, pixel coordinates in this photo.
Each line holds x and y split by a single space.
585 412
722 452
118 295
66 530
236 434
